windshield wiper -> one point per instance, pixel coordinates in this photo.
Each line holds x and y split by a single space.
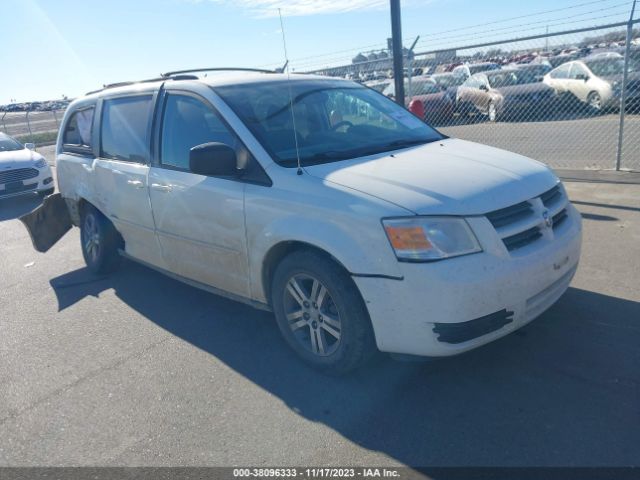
320 157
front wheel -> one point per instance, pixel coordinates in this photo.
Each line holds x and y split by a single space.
100 242
321 314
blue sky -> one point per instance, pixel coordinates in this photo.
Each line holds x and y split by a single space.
54 47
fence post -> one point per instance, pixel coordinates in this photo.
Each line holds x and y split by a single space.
623 95
29 126
55 118
4 114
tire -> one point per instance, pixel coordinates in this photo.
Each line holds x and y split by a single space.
100 242
594 101
492 112
338 346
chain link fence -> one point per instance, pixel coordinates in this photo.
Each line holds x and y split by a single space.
570 99
39 127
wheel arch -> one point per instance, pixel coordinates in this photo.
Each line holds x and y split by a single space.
279 252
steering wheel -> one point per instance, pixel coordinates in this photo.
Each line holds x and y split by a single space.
341 124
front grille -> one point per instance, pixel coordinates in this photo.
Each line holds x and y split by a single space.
22 188
465 331
523 223
551 196
18 174
559 217
505 216
522 239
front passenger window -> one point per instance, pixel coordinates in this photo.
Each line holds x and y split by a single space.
188 122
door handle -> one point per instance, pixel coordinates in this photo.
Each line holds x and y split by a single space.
135 183
160 187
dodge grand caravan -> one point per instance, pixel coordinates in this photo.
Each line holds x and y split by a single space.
357 224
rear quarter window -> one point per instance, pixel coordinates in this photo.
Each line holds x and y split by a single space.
76 136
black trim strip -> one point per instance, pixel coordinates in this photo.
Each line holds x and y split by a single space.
465 331
376 275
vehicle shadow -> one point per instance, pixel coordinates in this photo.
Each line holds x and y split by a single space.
561 391
15 207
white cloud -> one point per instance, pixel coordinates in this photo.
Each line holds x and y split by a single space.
291 8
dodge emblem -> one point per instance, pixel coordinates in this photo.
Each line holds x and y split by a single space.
548 221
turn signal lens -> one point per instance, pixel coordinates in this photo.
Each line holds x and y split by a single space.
425 239
407 238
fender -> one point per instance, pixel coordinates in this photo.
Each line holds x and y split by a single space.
359 254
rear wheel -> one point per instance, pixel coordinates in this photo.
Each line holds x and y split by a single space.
321 314
595 102
492 112
100 242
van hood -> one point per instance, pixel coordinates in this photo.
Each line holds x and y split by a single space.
448 177
18 159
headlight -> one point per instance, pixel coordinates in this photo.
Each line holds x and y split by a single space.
425 239
40 163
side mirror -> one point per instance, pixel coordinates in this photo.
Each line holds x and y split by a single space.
484 88
582 76
213 159
30 146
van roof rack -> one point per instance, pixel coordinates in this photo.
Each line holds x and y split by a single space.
148 80
220 69
184 75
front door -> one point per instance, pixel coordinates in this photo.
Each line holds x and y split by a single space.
199 219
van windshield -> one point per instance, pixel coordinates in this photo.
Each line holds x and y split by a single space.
334 120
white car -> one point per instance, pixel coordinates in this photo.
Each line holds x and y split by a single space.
596 81
361 228
22 171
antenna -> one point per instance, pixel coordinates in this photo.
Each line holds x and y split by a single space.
293 116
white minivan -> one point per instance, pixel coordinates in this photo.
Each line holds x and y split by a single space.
357 224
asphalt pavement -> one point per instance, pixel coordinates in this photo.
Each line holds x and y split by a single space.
138 369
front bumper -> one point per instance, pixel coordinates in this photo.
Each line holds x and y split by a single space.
411 315
41 183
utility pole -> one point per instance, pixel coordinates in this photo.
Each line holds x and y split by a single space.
546 41
396 35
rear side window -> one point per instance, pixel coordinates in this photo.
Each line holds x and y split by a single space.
125 128
76 137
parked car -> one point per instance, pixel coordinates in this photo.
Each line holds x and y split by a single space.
378 85
448 82
609 54
560 59
359 228
468 69
538 71
22 171
437 104
506 94
596 82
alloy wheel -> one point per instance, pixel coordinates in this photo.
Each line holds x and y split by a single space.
91 237
595 101
312 315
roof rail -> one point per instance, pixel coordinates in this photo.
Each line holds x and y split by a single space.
148 80
220 69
